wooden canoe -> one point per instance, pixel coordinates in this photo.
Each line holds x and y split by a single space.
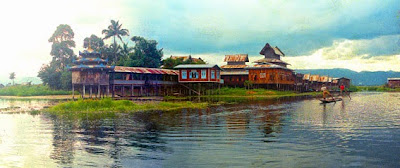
330 100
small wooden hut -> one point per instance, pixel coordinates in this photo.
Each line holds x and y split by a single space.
393 82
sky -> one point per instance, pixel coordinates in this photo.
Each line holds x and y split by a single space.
361 35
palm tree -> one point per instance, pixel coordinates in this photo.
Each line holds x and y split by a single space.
12 76
115 30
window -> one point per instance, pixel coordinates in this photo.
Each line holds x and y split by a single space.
218 76
212 74
184 75
193 74
263 75
203 74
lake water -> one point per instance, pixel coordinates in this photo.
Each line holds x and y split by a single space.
361 132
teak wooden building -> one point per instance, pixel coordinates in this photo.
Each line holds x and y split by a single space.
271 71
90 73
234 73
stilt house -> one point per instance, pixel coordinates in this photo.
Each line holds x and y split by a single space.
234 73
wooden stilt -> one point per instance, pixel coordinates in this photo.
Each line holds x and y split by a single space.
83 91
90 91
73 92
98 90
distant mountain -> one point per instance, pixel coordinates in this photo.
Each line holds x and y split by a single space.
357 78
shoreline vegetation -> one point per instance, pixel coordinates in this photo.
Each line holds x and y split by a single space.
31 90
224 96
124 106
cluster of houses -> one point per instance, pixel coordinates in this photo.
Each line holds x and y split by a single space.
91 75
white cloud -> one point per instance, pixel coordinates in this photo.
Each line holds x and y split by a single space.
358 55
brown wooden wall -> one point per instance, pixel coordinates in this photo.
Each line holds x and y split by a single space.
271 76
234 80
90 77
394 83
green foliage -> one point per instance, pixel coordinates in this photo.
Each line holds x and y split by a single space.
248 84
96 43
382 88
266 93
115 30
55 74
145 54
62 33
170 63
109 105
31 90
12 76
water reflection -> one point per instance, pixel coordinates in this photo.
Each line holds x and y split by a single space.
293 132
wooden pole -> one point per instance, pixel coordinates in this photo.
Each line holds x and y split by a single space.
90 91
73 95
132 90
98 90
83 91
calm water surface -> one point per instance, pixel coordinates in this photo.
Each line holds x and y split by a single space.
361 132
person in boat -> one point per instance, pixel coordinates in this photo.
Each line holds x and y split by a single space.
341 89
325 92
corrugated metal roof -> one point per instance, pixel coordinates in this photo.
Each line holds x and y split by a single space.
233 66
267 66
180 57
184 66
143 70
306 77
314 78
236 58
234 72
264 60
324 79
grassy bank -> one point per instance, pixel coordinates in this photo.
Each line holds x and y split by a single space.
375 89
108 105
260 93
32 90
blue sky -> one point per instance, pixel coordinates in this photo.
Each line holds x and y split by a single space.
354 34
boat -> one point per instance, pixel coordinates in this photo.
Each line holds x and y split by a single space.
330 100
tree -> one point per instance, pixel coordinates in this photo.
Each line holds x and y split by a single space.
114 30
96 43
62 40
125 52
12 76
62 53
170 63
145 53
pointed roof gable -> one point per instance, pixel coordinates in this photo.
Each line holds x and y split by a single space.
275 49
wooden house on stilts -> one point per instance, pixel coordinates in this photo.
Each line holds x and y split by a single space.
198 78
234 73
271 72
91 74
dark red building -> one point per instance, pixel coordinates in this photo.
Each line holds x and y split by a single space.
195 73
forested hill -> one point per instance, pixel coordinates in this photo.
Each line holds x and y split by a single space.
358 78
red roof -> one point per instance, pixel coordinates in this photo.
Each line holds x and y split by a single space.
145 70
